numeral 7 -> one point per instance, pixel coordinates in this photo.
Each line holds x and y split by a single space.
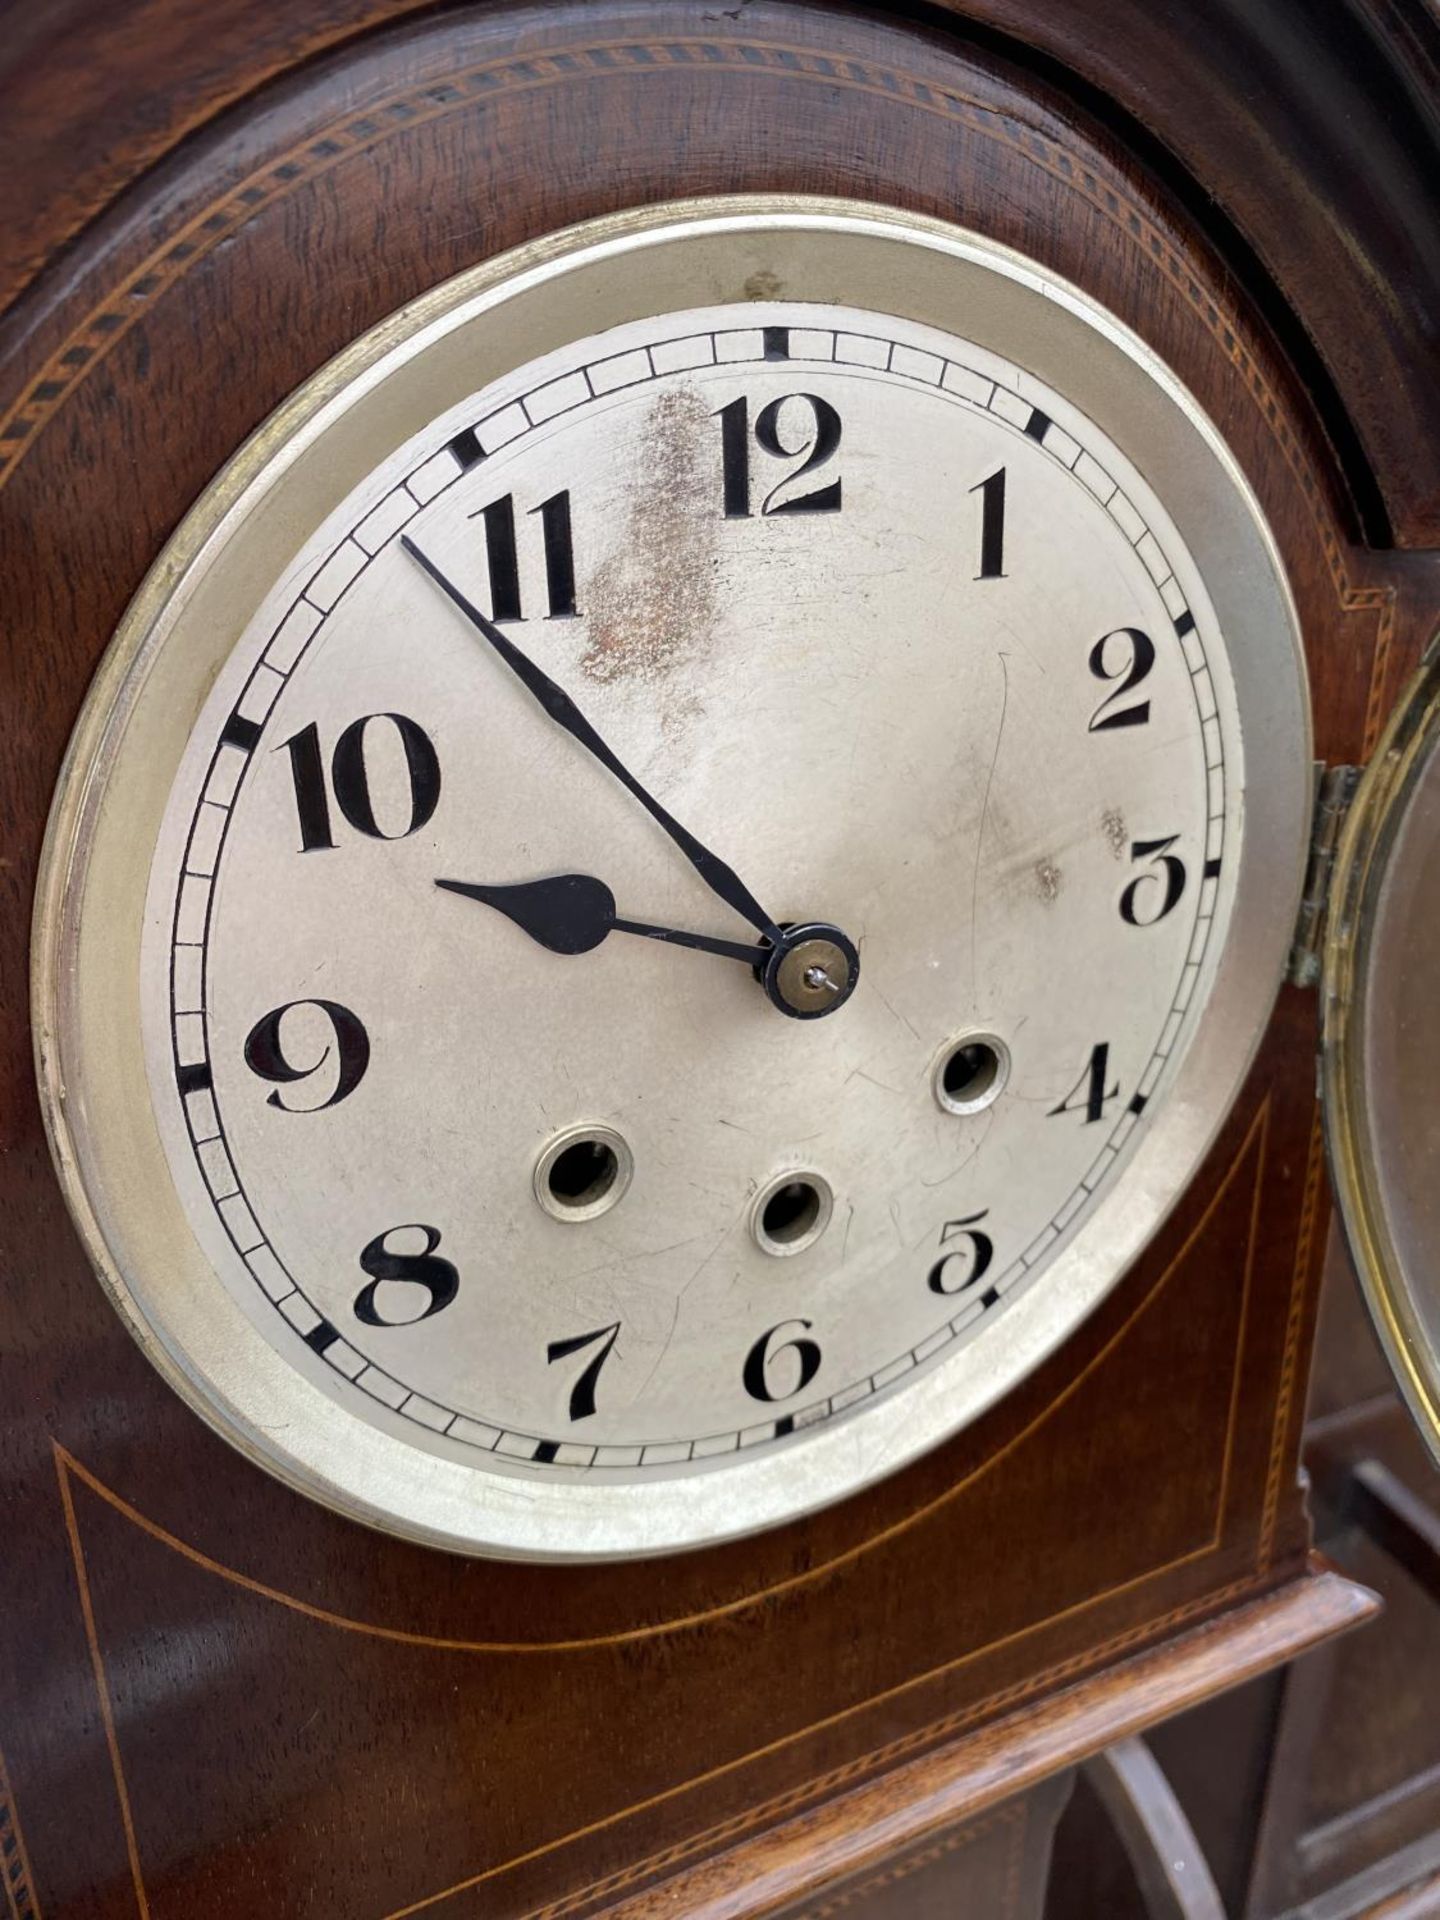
582 1394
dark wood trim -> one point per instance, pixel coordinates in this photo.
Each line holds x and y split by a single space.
854 1830
1326 161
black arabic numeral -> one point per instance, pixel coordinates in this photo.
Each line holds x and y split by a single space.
1138 658
582 1394
973 1259
1089 1093
438 1277
307 768
502 556
735 457
351 781
265 1054
758 1362
818 443
559 554
1167 873
992 526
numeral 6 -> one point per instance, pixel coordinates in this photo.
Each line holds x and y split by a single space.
761 1359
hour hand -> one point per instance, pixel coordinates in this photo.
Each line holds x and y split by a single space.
574 912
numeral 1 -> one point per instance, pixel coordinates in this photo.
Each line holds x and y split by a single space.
992 526
502 556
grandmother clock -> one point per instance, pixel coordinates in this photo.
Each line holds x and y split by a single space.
661 1243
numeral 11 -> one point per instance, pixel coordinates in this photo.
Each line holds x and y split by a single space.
503 559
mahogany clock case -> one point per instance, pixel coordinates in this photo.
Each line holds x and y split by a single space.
209 1686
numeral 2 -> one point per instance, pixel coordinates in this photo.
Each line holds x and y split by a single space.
351 780
820 443
1139 650
503 558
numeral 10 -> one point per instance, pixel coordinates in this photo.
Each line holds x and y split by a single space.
350 779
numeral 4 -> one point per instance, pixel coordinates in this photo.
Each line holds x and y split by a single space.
1089 1095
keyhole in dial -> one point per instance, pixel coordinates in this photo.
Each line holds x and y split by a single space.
791 1212
582 1173
971 1072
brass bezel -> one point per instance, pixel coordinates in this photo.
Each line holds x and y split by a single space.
1362 865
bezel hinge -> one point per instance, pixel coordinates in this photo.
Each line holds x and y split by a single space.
1334 791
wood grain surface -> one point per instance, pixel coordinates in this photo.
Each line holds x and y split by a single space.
1318 139
216 1698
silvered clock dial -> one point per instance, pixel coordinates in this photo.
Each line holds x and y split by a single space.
670 877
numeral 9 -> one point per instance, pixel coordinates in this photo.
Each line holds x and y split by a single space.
265 1055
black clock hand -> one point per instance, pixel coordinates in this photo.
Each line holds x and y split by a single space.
720 878
574 912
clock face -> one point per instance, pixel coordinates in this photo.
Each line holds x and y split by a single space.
671 924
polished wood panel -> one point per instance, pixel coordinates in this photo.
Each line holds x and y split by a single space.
1326 169
997 1865
864 1831
207 1686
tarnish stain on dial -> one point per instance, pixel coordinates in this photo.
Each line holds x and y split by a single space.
1047 880
1116 833
652 603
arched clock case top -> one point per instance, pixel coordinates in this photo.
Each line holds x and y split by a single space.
1052 1537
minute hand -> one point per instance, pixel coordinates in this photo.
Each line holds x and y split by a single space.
720 878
